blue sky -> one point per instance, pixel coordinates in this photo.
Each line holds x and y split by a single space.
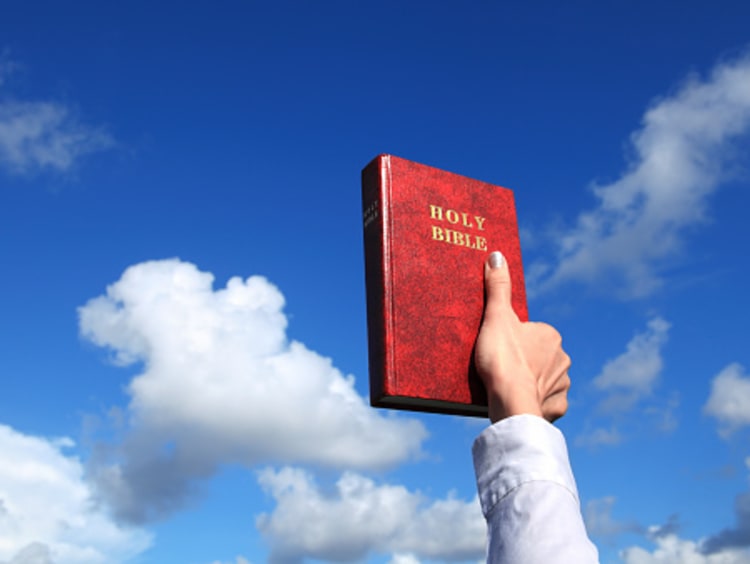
183 336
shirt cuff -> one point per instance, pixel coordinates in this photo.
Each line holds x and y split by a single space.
517 450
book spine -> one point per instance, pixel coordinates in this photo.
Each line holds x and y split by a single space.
376 178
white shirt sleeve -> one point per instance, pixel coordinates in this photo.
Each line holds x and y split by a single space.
528 495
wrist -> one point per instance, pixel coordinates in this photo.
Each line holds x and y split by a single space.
506 405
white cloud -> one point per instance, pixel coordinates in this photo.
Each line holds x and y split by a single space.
221 383
360 518
46 509
600 523
663 417
682 153
404 559
599 437
670 549
733 537
43 135
730 545
626 381
638 368
633 374
34 553
7 67
729 401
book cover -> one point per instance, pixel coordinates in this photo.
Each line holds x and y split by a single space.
427 233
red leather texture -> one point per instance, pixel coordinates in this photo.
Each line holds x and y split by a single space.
427 233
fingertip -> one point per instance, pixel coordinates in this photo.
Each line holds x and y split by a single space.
496 266
495 260
497 278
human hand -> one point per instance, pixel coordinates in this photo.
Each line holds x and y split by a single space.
522 365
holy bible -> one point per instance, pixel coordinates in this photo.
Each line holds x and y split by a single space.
427 233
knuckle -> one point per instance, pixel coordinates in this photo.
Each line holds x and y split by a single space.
551 334
567 362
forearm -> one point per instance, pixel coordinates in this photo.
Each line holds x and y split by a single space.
528 495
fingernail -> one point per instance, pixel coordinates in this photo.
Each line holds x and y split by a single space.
496 259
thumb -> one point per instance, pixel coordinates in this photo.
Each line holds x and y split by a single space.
497 285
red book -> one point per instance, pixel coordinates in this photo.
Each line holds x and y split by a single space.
427 233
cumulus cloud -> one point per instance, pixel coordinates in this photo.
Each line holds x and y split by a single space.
34 553
7 66
599 437
729 546
600 522
360 518
403 559
41 134
633 374
664 417
733 537
222 383
411 559
47 512
625 382
729 401
671 549
681 154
